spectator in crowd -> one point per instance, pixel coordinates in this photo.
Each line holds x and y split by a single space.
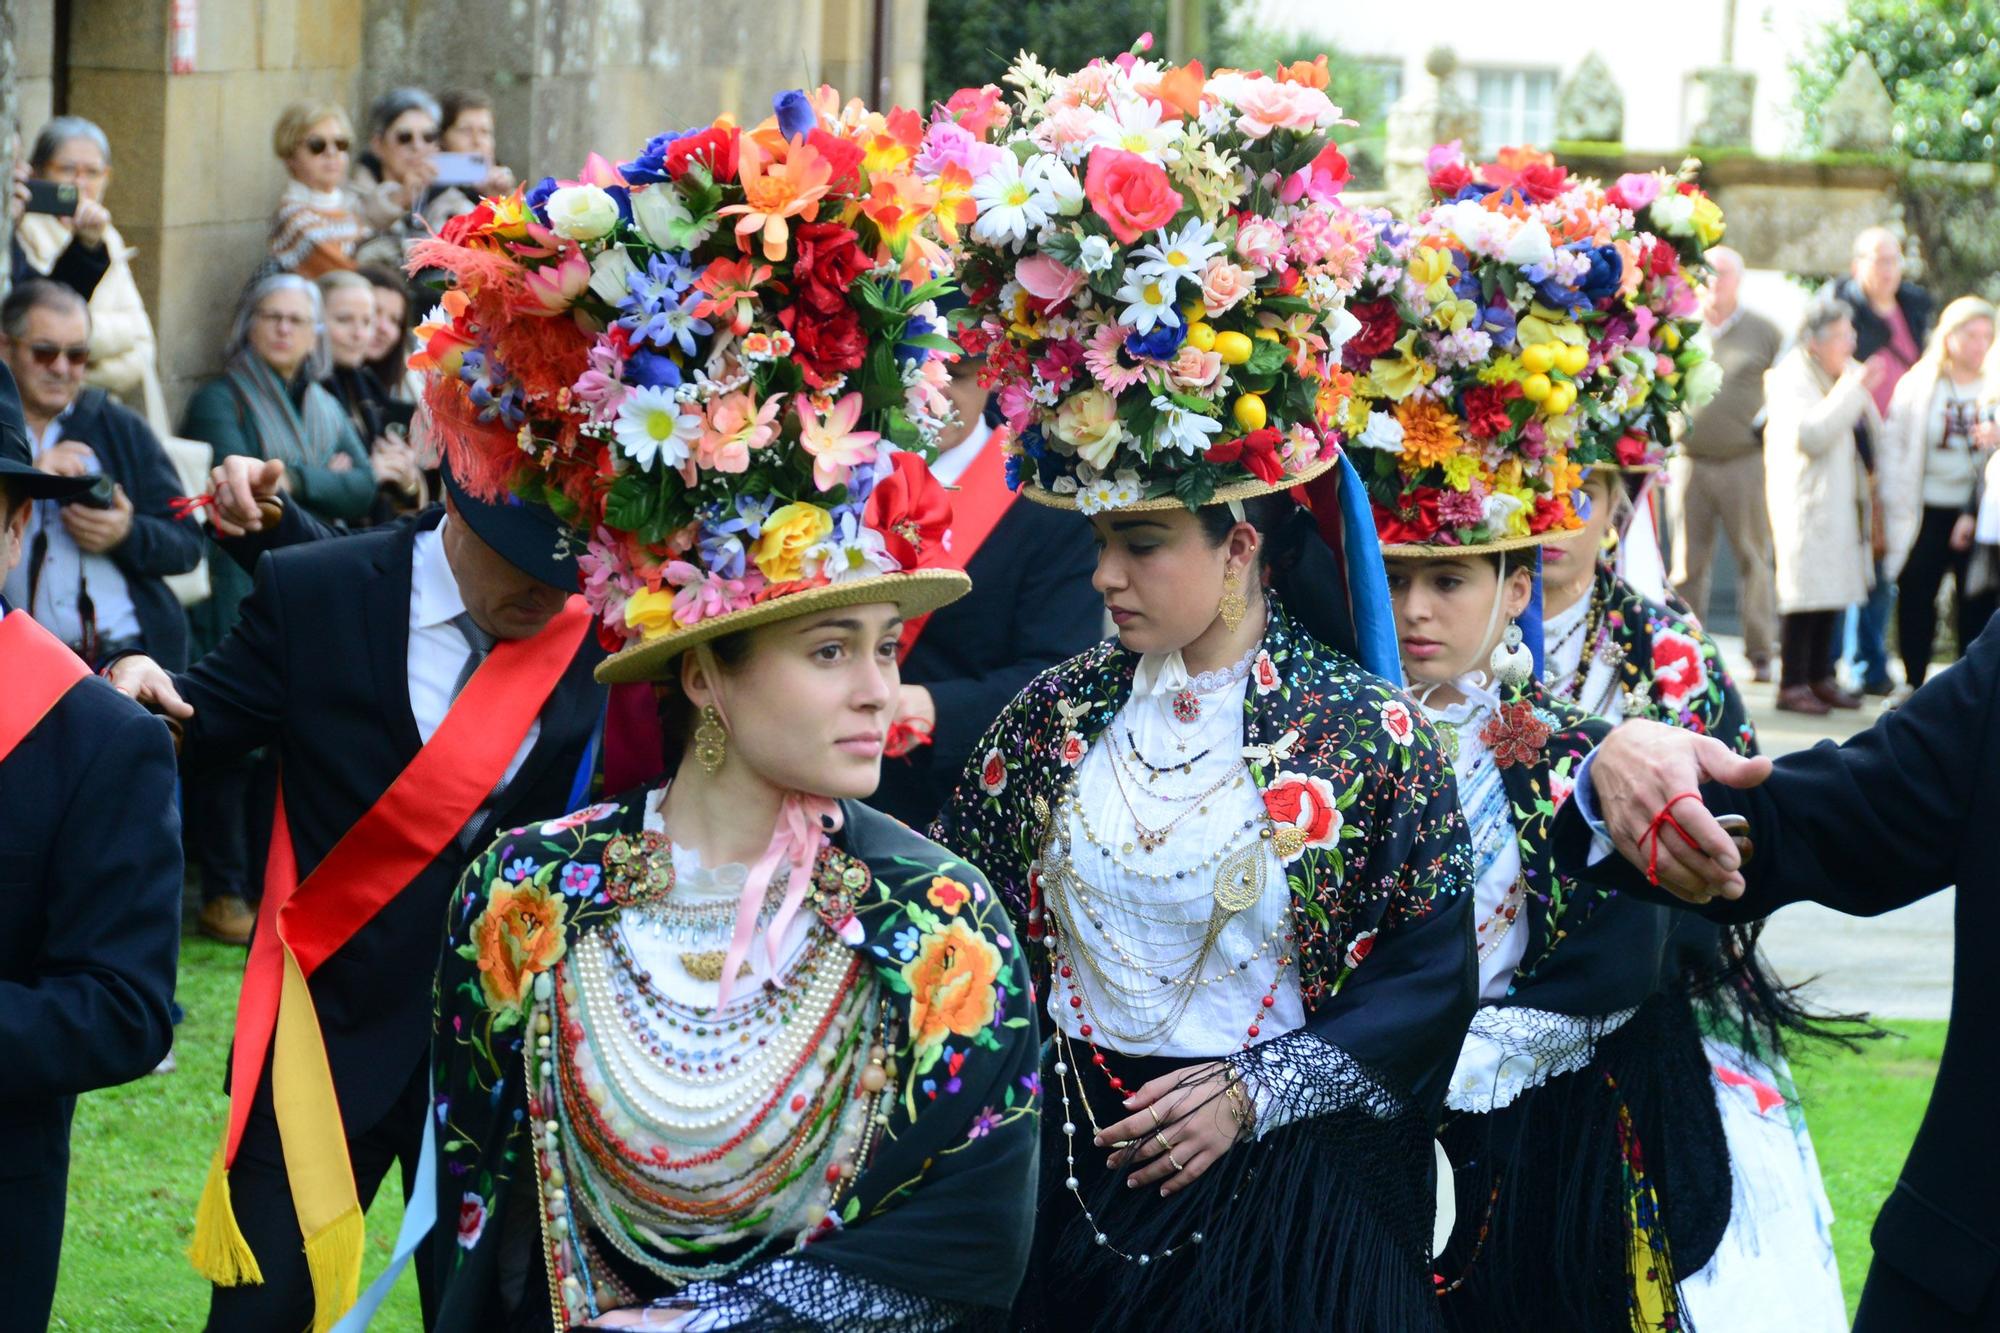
389 353
393 178
95 566
82 263
1935 440
466 126
349 301
1892 318
268 403
124 354
1718 475
1817 398
318 220
90 868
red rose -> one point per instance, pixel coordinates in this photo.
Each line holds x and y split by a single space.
1257 451
1486 408
993 773
1448 178
1660 260
1396 720
1305 804
826 261
1678 668
844 157
471 1220
1364 944
1548 514
714 148
1131 194
1377 334
828 346
1542 181
1414 520
1631 450
911 511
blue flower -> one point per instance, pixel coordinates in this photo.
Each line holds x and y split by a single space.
1607 270
538 198
1013 465
1159 345
659 306
651 164
1498 321
905 943
1472 191
1033 443
650 370
520 868
751 511
722 550
580 881
796 117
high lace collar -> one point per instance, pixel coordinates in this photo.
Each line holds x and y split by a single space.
1166 674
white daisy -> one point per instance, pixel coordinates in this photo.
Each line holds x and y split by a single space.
1183 430
1149 301
850 551
1011 203
1057 181
1115 492
652 429
1136 125
1183 254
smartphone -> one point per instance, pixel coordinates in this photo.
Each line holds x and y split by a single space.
56 197
460 169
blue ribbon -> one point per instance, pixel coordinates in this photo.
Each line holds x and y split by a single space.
418 1216
1375 644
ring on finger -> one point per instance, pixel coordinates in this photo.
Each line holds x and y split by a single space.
1154 1112
1165 1143
1175 1160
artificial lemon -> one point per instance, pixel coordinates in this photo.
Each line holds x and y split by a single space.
1538 358
1571 359
1562 397
1201 336
1536 387
1249 412
1268 335
1232 347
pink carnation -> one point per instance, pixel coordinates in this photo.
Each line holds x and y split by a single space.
1461 508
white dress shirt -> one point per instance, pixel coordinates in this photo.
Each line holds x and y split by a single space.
437 648
952 463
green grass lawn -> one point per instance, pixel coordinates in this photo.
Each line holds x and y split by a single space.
139 1154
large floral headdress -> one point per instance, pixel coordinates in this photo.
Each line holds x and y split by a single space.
1465 416
720 363
1157 263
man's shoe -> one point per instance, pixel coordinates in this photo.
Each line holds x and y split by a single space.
167 1064
1830 692
228 919
1801 699
1760 671
1878 689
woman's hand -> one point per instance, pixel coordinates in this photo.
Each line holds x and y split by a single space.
661 1317
498 180
340 463
1181 1124
1961 532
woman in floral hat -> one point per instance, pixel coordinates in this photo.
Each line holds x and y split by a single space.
1557 1130
735 1052
1233 848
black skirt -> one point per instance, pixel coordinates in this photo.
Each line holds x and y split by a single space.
1320 1225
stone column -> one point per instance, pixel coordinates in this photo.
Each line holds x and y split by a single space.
1425 116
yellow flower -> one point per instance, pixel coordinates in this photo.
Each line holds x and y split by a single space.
651 613
1564 476
1430 268
1544 325
1453 314
1517 522
1430 435
1500 370
1459 470
1708 224
1400 378
1357 410
1508 476
780 551
1088 422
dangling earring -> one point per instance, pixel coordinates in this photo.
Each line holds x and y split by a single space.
1234 606
711 742
1511 662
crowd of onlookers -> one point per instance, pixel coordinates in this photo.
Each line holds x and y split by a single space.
314 373
1849 469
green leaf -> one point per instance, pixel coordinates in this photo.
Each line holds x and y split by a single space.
1267 357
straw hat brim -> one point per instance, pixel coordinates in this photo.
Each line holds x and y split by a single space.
1241 490
915 593
1422 551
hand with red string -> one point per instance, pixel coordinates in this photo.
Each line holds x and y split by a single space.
1181 1124
1645 782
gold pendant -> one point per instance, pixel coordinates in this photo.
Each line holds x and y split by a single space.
707 965
1239 883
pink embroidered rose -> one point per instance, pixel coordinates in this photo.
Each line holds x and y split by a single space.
1397 722
993 773
1223 286
471 1220
1264 673
1304 803
1073 749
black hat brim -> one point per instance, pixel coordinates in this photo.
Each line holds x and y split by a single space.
24 479
527 536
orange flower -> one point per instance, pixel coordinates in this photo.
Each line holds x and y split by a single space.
1312 73
1180 89
518 935
892 144
1430 434
955 205
951 984
774 192
898 205
947 894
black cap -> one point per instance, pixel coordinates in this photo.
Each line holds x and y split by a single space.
528 536
17 456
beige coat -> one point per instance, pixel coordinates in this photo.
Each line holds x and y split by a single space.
124 353
1815 485
1899 466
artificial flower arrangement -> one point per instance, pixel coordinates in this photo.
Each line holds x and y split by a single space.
1465 412
720 363
1156 268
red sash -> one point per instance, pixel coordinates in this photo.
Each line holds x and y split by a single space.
40 669
977 506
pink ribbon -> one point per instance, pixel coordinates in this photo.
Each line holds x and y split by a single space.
803 823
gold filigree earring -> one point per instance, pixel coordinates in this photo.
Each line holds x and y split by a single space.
1234 605
711 742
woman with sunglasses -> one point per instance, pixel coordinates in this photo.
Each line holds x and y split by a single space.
317 223
393 177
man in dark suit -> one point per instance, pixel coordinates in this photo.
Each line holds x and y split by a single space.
90 891
1898 812
1031 606
95 569
347 660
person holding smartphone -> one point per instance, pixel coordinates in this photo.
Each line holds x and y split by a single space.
83 262
467 168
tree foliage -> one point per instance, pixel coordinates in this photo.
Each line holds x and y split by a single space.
1939 59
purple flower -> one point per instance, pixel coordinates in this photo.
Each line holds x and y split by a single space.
1033 1083
538 198
984 1123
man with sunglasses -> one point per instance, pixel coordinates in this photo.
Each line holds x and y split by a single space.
95 563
